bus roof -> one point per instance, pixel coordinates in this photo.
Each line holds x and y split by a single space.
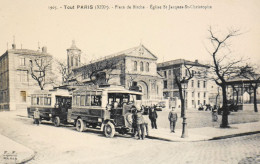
59 92
111 89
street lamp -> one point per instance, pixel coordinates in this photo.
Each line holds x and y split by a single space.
184 123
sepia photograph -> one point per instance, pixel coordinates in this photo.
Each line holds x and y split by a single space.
133 82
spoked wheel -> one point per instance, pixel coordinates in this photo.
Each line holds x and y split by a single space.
80 126
56 121
109 130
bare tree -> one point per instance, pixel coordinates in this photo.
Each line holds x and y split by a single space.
100 72
64 71
40 70
251 74
223 66
180 79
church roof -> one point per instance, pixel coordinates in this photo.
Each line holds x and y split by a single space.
137 51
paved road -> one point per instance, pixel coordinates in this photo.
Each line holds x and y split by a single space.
65 145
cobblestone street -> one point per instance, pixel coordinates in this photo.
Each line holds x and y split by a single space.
66 145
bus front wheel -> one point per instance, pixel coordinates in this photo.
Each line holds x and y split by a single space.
57 121
80 125
109 130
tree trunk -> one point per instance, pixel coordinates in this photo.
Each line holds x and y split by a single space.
182 102
224 123
255 102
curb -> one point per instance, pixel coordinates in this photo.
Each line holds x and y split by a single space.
234 135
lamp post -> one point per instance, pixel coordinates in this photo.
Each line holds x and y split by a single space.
184 123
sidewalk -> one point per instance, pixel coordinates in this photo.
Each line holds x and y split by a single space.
13 152
206 133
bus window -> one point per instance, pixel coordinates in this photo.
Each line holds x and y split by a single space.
77 100
88 101
82 100
95 100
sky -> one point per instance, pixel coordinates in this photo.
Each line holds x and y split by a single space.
168 34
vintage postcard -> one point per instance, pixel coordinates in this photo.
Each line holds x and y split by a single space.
128 81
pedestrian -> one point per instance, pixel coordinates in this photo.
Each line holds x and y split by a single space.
140 124
36 116
214 114
134 119
173 117
153 116
145 117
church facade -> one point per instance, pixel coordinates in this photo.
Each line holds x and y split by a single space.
132 68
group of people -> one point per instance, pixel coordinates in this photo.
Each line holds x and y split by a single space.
140 120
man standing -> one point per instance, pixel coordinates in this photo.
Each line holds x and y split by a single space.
36 116
153 116
140 124
172 118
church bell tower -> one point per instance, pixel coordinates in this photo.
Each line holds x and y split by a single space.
73 57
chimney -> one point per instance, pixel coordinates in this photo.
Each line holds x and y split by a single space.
13 45
196 61
44 49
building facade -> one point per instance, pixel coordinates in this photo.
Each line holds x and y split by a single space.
196 91
135 67
16 82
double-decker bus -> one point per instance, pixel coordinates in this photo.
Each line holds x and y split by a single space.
53 105
107 108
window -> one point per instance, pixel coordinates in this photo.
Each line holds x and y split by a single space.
22 62
76 62
165 74
205 94
169 72
165 84
77 100
198 83
147 67
192 94
71 60
192 73
87 101
135 65
23 96
186 72
142 66
204 102
23 76
82 100
192 83
193 102
198 94
198 102
95 100
204 84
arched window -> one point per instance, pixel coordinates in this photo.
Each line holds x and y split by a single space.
141 66
147 67
71 59
76 62
135 65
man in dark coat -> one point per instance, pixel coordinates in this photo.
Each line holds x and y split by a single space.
172 118
153 116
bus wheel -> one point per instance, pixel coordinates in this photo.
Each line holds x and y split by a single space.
80 125
57 121
109 130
